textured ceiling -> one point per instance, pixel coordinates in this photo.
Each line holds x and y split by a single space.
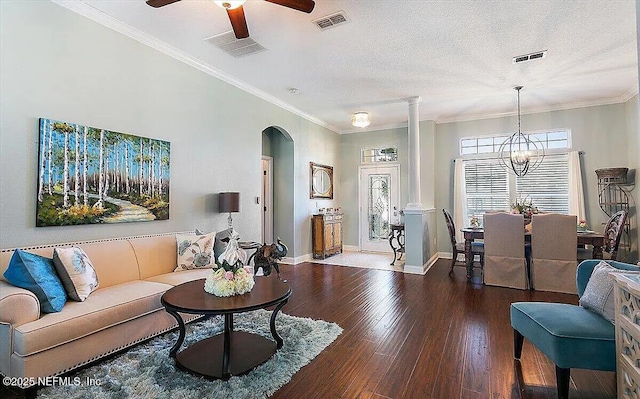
456 55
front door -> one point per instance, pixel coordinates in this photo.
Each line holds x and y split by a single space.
379 205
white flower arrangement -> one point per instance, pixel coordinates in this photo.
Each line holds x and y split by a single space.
230 277
226 283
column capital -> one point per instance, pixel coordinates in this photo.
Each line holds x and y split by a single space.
413 100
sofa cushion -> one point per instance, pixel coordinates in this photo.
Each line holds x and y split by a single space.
38 275
76 272
598 295
114 261
104 308
176 278
571 336
195 251
156 255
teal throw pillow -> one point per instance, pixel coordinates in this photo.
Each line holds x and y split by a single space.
38 275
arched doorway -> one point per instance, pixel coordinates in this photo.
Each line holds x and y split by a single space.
277 186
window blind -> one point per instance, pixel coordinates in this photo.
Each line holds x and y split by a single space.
548 185
488 186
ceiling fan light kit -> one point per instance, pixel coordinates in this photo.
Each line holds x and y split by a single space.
236 12
519 153
361 119
229 4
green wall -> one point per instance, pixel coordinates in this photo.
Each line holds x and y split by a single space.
57 64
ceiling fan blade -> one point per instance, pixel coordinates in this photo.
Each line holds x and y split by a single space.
238 22
300 5
160 3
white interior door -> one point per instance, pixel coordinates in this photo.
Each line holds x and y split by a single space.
379 205
267 200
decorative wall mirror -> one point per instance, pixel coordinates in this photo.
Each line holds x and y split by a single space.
321 181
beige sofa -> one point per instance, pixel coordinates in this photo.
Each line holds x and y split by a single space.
133 273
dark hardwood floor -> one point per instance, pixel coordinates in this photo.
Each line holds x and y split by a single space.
434 336
408 336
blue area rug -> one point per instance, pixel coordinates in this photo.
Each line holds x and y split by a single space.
147 371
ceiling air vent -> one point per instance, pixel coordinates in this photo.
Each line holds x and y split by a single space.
235 47
331 21
529 57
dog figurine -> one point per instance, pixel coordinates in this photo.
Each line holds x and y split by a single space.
268 255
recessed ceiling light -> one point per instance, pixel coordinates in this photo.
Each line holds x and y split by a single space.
293 90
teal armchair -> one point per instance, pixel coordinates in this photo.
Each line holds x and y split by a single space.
569 335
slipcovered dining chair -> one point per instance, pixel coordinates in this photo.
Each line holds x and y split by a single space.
570 335
477 248
554 241
612 234
505 264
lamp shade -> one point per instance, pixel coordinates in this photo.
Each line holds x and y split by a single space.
229 202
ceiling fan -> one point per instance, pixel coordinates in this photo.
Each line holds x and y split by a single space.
236 13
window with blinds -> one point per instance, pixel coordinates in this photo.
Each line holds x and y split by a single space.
490 187
487 186
548 185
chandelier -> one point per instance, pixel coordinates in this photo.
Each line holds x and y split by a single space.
521 153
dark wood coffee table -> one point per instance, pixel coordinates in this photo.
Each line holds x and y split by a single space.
231 352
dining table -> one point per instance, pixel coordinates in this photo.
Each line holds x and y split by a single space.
477 233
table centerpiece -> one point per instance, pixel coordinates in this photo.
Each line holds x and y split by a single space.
524 207
583 226
231 276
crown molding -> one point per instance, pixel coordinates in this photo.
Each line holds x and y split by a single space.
108 21
626 96
629 94
376 128
536 110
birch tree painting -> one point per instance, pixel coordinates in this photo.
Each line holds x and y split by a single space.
90 175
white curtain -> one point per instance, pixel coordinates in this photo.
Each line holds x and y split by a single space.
576 193
459 199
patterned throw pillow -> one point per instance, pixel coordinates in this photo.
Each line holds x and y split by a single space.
195 251
37 274
76 272
598 294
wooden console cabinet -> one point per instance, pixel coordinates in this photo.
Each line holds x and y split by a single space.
326 235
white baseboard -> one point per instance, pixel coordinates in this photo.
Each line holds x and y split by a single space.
449 255
351 248
410 269
298 259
